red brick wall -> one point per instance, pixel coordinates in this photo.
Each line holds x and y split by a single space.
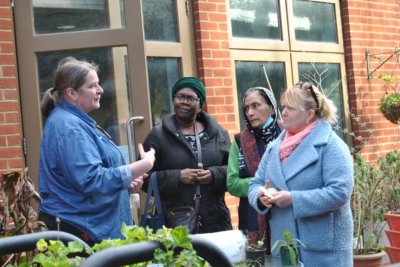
11 156
215 70
373 25
366 24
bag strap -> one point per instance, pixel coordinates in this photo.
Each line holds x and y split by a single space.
152 191
197 195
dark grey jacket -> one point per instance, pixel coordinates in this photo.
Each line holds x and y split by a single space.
173 153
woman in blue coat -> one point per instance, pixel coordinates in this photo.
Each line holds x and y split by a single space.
310 170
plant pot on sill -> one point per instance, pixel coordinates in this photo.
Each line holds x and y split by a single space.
393 221
394 238
285 257
256 255
368 260
394 254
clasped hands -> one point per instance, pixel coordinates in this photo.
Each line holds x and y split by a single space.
192 176
275 197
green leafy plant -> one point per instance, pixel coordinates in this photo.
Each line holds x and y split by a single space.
55 254
290 244
259 245
390 103
390 107
177 249
255 254
376 192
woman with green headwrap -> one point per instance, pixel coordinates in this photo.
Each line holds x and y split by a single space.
176 157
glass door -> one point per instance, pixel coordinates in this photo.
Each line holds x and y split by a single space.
139 59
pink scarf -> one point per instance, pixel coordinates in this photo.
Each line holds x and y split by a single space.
291 141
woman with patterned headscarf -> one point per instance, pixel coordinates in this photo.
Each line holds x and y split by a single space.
260 114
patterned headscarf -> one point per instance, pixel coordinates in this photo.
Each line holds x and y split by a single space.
268 133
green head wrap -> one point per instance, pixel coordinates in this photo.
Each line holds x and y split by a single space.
193 83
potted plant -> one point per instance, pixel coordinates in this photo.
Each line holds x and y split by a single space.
255 253
375 193
288 248
390 107
390 103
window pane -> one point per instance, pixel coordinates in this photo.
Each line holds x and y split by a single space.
115 106
160 20
314 21
255 19
253 74
327 76
163 73
53 16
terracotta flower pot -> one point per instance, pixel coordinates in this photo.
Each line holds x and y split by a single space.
393 221
369 260
394 238
394 254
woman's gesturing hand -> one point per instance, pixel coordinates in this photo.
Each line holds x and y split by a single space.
149 155
145 163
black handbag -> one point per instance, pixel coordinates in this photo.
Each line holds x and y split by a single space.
187 215
153 215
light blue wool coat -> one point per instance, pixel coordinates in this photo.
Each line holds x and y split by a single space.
319 175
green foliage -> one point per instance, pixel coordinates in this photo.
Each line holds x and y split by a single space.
376 192
390 101
388 79
55 254
178 250
290 243
173 240
259 245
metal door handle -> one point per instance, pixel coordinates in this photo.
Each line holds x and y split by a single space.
131 135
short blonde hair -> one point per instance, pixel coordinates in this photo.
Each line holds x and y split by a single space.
306 96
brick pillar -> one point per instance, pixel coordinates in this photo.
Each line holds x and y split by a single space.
215 70
11 156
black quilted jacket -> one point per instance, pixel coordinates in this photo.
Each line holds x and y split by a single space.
173 153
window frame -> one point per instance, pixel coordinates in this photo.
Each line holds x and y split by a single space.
137 49
258 56
327 58
316 46
291 52
260 44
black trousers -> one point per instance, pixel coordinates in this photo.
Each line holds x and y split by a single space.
51 224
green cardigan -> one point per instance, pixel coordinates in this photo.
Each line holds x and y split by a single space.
237 186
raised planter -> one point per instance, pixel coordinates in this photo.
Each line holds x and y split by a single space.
394 254
394 238
393 221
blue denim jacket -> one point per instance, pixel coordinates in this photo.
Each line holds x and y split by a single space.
83 178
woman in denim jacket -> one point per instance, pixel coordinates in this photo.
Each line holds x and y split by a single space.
84 181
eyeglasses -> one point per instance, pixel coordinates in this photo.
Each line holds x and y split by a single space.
189 98
308 86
